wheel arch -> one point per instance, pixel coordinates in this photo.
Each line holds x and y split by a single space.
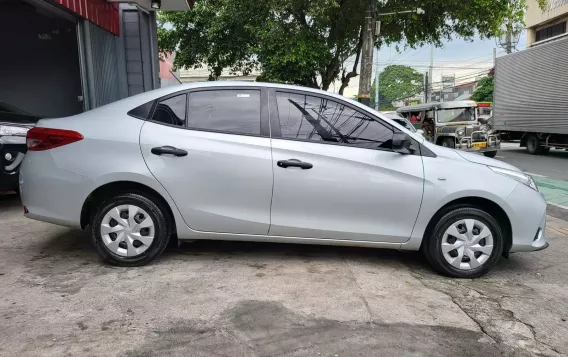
117 187
443 137
478 202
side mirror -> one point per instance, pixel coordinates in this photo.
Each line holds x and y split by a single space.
401 143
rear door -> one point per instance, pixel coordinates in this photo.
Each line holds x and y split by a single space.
335 175
210 149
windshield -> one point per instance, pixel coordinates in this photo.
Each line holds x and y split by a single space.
456 115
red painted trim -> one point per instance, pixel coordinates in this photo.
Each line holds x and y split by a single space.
99 12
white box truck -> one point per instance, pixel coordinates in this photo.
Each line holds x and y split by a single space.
530 100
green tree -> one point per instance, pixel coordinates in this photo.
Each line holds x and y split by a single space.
309 42
484 90
396 82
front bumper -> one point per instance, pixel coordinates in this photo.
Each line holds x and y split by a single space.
528 219
492 143
12 154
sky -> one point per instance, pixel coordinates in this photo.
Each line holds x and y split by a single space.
465 60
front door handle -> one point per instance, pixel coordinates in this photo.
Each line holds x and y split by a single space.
168 150
294 163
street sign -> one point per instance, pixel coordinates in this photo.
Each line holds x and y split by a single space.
448 83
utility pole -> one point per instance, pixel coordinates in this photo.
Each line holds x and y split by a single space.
426 87
367 58
377 104
494 56
430 72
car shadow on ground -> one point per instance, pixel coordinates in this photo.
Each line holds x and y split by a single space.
9 200
72 244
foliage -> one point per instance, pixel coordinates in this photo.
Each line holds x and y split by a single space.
484 90
309 42
396 82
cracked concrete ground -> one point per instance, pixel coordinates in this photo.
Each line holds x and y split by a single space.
251 299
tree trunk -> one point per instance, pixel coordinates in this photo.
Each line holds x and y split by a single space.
346 77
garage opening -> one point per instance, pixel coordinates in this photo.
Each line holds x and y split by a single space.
39 66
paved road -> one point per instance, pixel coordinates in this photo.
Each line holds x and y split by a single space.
549 171
554 165
212 298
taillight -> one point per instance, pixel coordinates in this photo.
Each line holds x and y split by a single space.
39 139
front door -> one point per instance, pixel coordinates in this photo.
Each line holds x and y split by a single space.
213 161
335 175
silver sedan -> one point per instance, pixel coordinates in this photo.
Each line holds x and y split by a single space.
268 162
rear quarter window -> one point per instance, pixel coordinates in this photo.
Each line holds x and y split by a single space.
142 111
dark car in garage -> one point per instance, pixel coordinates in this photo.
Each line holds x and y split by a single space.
14 124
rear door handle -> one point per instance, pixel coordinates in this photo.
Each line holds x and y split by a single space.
294 163
168 150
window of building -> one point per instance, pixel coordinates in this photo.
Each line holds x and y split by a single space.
171 111
551 31
322 120
228 110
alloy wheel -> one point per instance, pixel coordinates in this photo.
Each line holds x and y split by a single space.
127 230
467 244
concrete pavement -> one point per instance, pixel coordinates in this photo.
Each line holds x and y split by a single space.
253 299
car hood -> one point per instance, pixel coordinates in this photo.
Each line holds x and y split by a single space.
480 159
468 156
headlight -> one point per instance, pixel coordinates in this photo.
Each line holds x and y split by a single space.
516 175
12 130
460 132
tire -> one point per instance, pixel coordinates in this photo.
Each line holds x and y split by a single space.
545 150
490 153
128 254
433 245
533 145
448 142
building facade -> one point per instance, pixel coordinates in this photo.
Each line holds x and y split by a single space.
63 57
547 24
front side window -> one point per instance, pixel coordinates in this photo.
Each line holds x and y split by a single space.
456 115
171 111
318 119
234 111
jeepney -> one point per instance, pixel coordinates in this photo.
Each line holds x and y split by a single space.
454 125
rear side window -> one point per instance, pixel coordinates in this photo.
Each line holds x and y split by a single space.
142 111
171 111
234 111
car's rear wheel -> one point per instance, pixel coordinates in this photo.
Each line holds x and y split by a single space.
465 243
533 145
129 230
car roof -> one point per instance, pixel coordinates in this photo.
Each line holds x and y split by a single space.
132 102
145 97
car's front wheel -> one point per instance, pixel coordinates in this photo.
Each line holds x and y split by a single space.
129 230
448 143
465 243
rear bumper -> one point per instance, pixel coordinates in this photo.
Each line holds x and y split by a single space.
50 193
